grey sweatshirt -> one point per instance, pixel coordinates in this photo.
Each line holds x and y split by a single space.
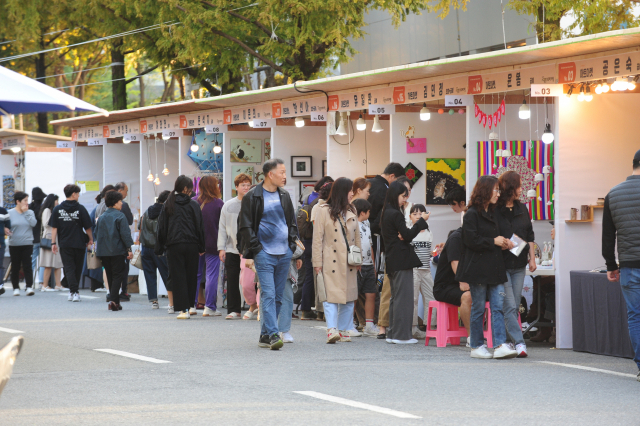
228 226
22 227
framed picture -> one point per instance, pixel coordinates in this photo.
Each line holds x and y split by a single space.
324 168
246 151
444 175
306 188
301 166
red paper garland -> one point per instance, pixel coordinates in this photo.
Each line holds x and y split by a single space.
491 119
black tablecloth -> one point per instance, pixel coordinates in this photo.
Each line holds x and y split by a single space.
599 315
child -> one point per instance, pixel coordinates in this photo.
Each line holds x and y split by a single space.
422 280
367 283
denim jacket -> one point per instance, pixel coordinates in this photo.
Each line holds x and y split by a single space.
113 234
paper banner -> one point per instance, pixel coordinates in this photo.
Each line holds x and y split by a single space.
622 64
477 109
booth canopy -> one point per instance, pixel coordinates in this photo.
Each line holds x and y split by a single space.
22 95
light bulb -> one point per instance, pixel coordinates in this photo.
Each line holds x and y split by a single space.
341 130
165 137
532 193
150 177
581 95
250 123
506 153
217 149
538 177
631 85
493 136
618 85
16 149
498 153
524 112
599 89
376 125
361 125
588 96
424 113
157 181
299 122
126 139
165 171
547 136
605 87
194 147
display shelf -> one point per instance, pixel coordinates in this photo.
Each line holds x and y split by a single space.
591 208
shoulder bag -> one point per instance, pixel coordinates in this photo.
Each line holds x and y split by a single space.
93 261
354 253
45 243
136 260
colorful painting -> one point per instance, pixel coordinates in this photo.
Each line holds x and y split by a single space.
416 145
412 173
235 171
444 175
204 156
8 189
267 149
528 158
246 151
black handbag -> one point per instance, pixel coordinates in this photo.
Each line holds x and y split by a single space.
45 243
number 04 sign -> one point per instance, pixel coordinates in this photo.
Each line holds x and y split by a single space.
458 101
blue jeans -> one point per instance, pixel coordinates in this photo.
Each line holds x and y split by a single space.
339 316
630 284
513 293
34 261
272 273
496 302
150 263
284 317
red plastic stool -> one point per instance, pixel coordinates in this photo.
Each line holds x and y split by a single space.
448 329
487 332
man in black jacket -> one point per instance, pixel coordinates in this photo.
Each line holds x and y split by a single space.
267 233
377 194
621 221
37 197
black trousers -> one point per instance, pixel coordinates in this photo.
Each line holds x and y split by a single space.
401 305
232 266
183 274
21 255
308 288
72 261
115 268
125 278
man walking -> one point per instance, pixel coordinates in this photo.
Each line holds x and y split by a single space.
123 189
69 221
267 234
621 221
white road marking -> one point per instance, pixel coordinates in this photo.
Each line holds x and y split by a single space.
82 296
357 404
597 370
10 330
134 356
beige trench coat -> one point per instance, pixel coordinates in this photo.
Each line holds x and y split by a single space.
330 254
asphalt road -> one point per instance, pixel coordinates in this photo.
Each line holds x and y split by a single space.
217 374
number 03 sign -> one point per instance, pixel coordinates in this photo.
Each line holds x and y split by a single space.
541 90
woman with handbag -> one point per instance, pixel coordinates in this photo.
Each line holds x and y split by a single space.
337 258
400 261
181 236
48 259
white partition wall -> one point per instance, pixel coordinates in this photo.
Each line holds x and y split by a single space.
88 166
48 168
122 164
148 190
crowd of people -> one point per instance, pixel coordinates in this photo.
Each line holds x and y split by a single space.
367 253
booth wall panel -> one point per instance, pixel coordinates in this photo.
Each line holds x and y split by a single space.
308 140
446 136
228 181
122 164
594 151
88 166
51 171
148 190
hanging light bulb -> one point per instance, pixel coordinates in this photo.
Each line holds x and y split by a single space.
299 122
493 136
618 85
588 96
524 112
581 95
538 177
532 193
150 177
157 181
165 171
126 139
631 84
506 153
342 131
376 125
250 123
570 91
424 113
599 89
165 136
605 87
498 153
194 145
16 149
217 149
361 124
547 136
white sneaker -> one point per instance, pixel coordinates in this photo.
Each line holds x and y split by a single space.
184 315
101 290
286 337
332 335
208 312
521 349
30 291
155 305
504 351
70 298
171 310
353 333
217 313
76 297
525 325
370 330
193 311
481 352
419 334
404 342
16 292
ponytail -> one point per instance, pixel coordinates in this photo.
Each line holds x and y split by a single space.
104 191
182 182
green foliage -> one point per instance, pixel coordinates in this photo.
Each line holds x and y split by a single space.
453 163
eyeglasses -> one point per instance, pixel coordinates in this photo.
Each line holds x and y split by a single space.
496 190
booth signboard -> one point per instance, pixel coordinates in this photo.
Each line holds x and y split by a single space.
169 134
14 142
319 116
382 109
622 64
132 137
65 144
264 123
458 100
542 90
215 128
302 107
96 141
121 129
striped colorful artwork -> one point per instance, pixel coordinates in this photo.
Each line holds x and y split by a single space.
537 157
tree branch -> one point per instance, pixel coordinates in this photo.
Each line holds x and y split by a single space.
147 71
203 82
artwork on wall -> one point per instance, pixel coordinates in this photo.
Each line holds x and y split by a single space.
306 188
258 176
416 145
235 171
8 189
324 168
246 151
412 173
444 175
204 156
267 149
301 166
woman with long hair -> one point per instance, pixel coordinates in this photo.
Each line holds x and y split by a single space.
482 268
516 221
400 260
361 188
181 237
100 199
48 259
211 205
335 229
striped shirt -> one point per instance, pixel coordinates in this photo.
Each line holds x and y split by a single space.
422 245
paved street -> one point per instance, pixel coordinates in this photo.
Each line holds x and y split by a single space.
217 374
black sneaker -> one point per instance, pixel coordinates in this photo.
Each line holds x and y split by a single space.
1 289
638 376
263 342
275 342
125 297
308 315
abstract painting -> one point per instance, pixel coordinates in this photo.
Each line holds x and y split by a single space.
246 151
444 175
204 157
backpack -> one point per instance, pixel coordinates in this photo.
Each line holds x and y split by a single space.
303 218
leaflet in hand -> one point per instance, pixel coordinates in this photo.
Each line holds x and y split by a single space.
519 245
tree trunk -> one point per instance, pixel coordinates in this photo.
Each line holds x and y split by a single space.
181 86
270 80
172 89
552 26
119 86
41 66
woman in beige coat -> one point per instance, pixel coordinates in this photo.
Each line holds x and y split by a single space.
330 258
